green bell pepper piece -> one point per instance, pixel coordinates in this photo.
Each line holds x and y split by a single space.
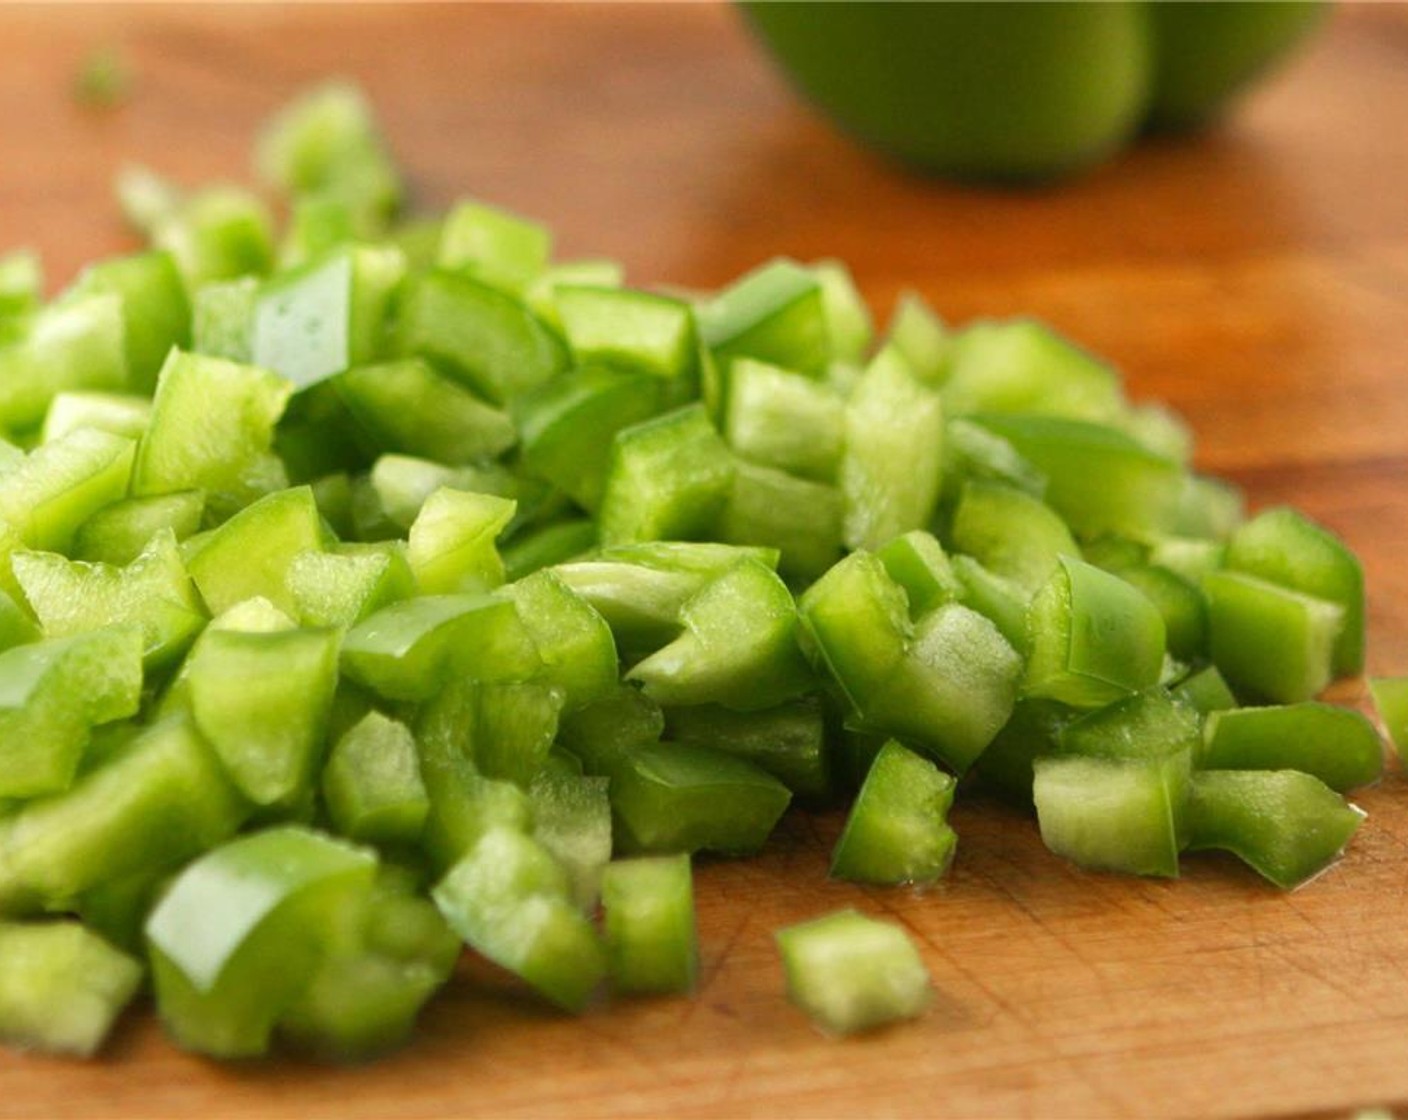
626 329
803 520
52 693
494 246
61 987
211 429
1010 533
118 413
672 798
1390 695
73 344
1287 548
1093 637
451 542
652 945
850 973
1287 826
568 426
572 820
262 700
1022 366
917 562
59 485
1270 641
509 900
240 932
574 642
897 830
788 741
1336 745
159 799
372 785
408 407
504 728
153 594
222 318
156 311
478 335
785 420
777 313
327 316
669 479
739 646
891 467
251 553
921 337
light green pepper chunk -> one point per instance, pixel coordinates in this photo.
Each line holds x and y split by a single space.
891 469
897 830
156 311
211 429
61 987
784 420
372 785
52 693
160 798
153 594
739 646
493 245
344 586
509 900
1094 638
451 542
777 314
850 973
262 700
73 344
118 413
1336 745
57 486
652 945
633 330
572 820
1287 826
236 938
574 641
1269 641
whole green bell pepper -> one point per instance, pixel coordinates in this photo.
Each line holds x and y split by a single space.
1023 90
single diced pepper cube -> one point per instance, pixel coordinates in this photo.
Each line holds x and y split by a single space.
1093 638
451 544
241 931
344 586
669 478
156 312
407 406
45 497
739 646
788 741
52 693
262 700
494 246
61 987
1287 826
159 799
327 316
73 344
372 784
673 798
573 640
477 334
572 820
250 554
777 313
891 468
1113 814
897 830
508 899
1336 745
651 941
630 329
1269 641
211 429
153 594
1285 547
851 973
1022 366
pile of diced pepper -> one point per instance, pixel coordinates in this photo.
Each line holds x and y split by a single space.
381 586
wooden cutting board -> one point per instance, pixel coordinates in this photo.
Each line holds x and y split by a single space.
1255 277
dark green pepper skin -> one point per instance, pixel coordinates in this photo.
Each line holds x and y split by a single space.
1022 91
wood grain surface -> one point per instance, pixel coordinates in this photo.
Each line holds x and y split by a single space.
1256 277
